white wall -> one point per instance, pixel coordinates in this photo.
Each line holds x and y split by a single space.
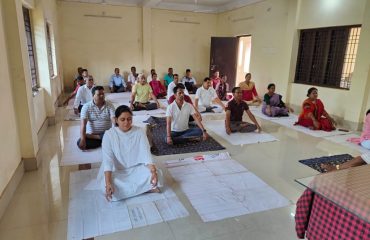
99 44
182 45
266 22
10 155
274 26
346 104
23 113
144 38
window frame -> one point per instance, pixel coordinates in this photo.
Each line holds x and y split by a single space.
308 56
30 41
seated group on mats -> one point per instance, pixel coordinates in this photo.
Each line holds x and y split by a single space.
124 165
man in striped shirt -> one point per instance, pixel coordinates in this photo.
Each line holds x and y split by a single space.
97 116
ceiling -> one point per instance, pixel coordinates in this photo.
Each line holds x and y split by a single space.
205 6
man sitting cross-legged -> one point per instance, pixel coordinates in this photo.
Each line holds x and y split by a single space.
206 96
83 95
97 116
234 115
141 94
172 85
178 114
117 83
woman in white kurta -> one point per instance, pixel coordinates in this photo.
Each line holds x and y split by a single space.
127 169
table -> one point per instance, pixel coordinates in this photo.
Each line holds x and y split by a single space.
335 205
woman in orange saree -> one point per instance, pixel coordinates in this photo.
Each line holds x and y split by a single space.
249 92
314 115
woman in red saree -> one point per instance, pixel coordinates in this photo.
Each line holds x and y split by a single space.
249 92
314 115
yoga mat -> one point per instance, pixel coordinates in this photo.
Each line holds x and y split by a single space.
157 133
71 154
91 215
158 111
333 160
219 187
213 116
258 113
342 140
289 122
218 127
116 97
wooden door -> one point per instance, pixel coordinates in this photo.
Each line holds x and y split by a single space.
224 53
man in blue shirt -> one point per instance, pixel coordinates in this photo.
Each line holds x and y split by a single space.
169 77
117 83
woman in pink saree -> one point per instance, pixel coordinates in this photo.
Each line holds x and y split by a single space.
364 140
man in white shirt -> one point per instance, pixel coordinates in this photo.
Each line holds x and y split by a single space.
172 85
117 83
97 116
178 114
205 98
83 95
132 78
357 161
189 82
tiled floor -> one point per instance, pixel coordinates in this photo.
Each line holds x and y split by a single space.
39 208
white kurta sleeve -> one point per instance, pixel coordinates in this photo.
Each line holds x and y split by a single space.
108 155
146 156
78 98
197 94
169 111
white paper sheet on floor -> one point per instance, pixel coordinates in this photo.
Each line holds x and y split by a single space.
91 215
342 139
71 116
257 111
218 127
289 122
219 187
70 103
71 154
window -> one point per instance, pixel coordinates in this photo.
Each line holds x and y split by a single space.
50 50
27 24
326 56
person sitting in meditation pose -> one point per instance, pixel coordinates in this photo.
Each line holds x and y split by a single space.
222 88
83 95
127 169
249 92
97 116
364 140
234 115
172 85
178 114
159 90
313 113
117 83
272 105
141 94
206 96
